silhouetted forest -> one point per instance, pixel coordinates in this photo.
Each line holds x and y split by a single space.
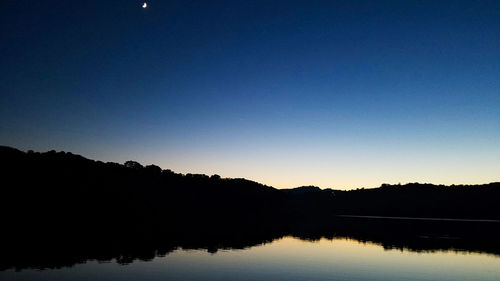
58 209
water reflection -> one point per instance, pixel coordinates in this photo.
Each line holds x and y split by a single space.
287 258
425 237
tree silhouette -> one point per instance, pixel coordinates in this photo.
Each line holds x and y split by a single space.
133 165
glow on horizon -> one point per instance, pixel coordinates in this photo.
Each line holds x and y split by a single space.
343 168
288 160
349 177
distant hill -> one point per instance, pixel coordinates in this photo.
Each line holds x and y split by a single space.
45 186
302 189
423 200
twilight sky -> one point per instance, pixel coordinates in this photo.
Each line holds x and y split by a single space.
340 94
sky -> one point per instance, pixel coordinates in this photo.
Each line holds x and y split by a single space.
338 94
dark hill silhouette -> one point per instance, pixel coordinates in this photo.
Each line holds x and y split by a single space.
422 200
66 205
302 189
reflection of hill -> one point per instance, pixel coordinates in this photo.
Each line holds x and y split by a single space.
427 236
59 209
419 236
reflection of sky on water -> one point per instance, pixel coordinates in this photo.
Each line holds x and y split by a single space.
287 259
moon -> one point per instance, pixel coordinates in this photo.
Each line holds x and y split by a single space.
145 5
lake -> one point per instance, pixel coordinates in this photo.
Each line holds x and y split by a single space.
286 258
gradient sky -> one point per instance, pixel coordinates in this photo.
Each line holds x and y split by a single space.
340 94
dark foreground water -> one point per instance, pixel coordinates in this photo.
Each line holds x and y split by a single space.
287 258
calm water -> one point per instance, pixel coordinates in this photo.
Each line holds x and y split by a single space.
287 259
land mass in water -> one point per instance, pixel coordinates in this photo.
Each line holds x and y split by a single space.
63 208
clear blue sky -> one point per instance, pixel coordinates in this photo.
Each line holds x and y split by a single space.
339 94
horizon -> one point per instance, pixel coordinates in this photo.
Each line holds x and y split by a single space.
340 94
291 187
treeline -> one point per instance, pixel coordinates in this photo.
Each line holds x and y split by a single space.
53 188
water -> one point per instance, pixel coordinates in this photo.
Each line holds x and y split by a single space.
287 258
